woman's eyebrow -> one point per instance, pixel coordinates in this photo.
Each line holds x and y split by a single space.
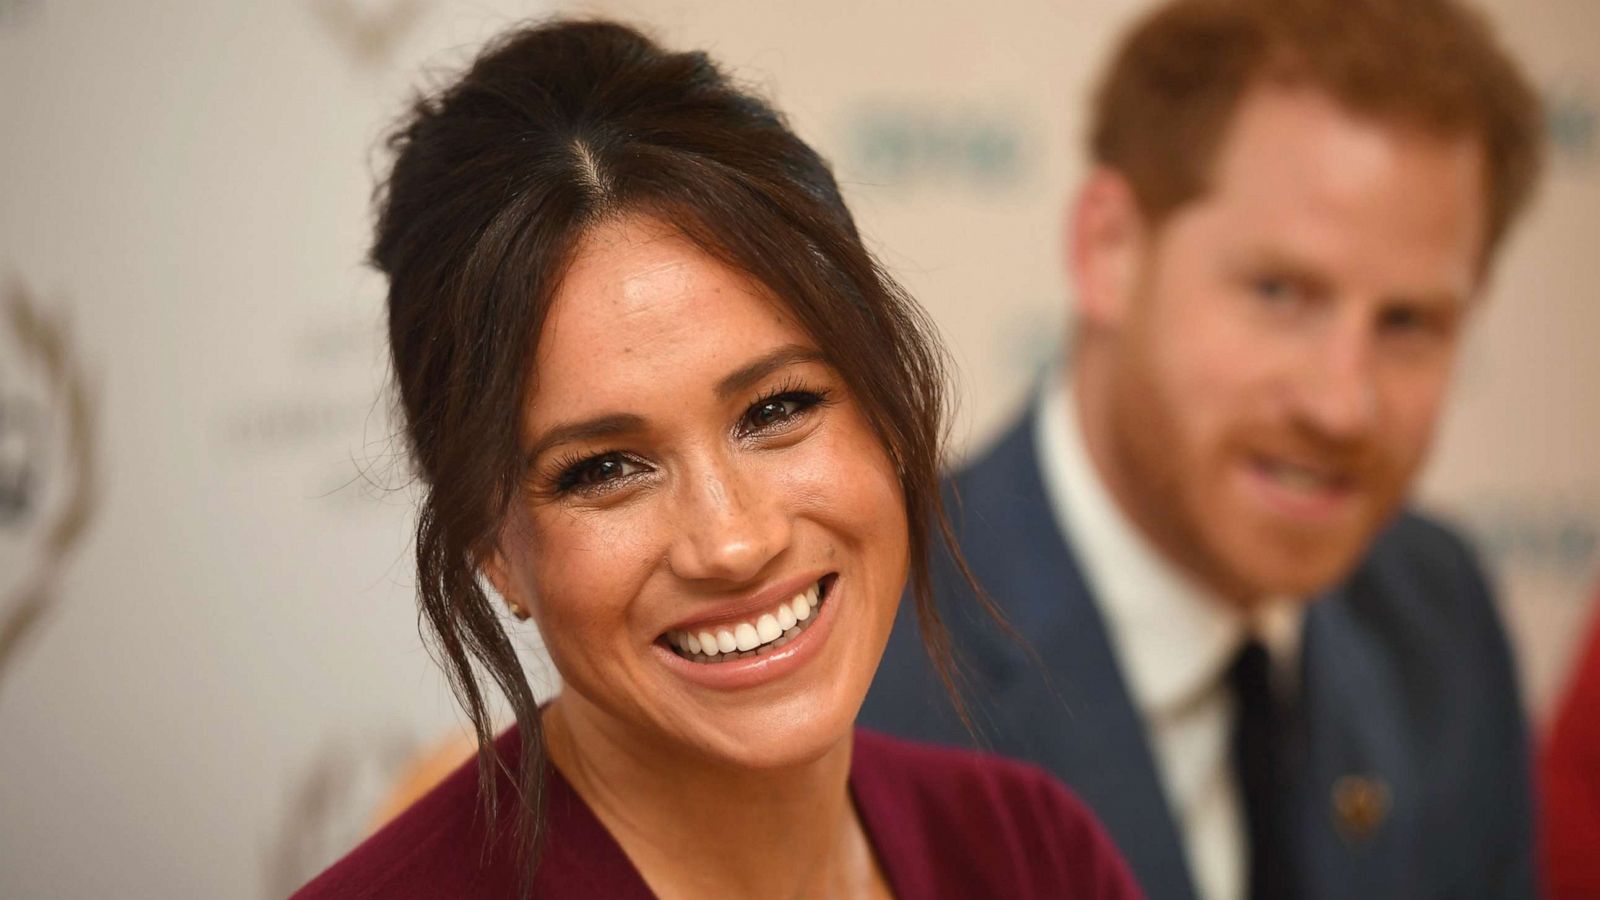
586 430
743 378
613 424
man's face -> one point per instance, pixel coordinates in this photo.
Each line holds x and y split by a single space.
1284 342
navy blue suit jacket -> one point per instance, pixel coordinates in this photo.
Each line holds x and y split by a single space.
1407 687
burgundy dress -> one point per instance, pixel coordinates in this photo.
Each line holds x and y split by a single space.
944 823
1570 772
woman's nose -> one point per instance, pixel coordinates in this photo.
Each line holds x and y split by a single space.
730 525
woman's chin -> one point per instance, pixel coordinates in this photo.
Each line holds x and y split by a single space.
776 736
793 722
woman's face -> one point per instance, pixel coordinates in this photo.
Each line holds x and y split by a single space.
710 537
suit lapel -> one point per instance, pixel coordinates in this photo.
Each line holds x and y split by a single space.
1098 743
1357 798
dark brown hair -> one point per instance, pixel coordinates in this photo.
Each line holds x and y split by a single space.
1170 93
552 130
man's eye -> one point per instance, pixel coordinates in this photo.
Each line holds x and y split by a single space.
1405 319
1275 290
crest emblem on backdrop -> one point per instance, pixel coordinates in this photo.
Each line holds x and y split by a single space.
335 799
47 465
368 31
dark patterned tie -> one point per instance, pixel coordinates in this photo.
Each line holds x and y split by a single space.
1259 758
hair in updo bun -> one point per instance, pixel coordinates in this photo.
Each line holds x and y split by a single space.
555 128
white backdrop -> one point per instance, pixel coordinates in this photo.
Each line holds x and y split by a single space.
209 662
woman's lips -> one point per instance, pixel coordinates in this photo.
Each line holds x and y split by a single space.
764 663
760 632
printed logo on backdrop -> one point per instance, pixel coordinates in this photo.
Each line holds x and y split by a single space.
349 790
47 465
929 144
1555 538
1542 548
333 802
327 425
368 31
17 13
1572 115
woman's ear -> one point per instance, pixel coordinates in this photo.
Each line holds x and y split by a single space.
493 567
1105 248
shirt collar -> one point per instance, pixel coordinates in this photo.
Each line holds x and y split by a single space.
1175 639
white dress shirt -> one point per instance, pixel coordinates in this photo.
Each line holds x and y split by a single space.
1174 642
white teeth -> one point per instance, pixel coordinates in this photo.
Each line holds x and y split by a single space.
767 629
1296 478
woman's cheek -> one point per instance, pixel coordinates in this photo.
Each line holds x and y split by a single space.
846 481
589 566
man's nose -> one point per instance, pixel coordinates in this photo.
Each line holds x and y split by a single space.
730 525
1337 394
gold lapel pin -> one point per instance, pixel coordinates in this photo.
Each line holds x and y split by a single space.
1360 804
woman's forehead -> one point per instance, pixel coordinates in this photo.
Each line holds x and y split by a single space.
642 309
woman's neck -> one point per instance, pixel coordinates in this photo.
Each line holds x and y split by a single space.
695 829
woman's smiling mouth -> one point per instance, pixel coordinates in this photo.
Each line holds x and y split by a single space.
760 633
762 661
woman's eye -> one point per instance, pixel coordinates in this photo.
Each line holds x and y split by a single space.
774 412
598 470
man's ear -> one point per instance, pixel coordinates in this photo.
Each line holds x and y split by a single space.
1106 243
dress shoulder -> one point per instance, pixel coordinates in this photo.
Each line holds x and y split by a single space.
954 823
